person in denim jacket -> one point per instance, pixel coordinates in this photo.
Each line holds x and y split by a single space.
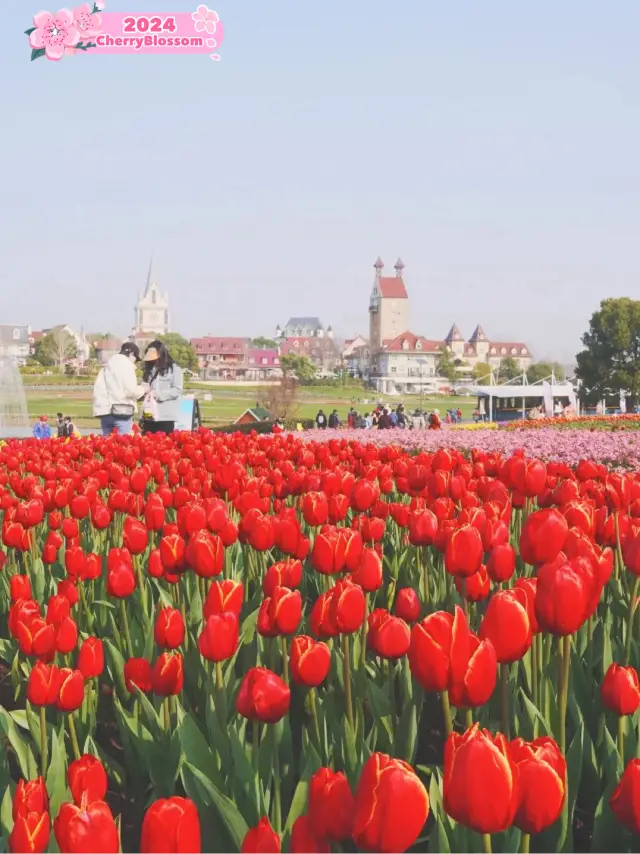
165 382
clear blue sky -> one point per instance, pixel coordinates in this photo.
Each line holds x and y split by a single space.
495 146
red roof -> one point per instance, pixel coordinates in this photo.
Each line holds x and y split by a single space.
425 345
220 345
508 346
256 358
392 287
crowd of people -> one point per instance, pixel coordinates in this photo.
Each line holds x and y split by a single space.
383 418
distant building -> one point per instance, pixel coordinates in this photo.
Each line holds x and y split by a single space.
105 348
82 345
263 365
254 415
15 343
303 327
222 358
401 361
356 357
320 350
151 313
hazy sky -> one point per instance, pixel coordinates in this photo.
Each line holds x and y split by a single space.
495 146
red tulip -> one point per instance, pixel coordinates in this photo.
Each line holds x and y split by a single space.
219 638
261 839
625 801
542 771
121 580
205 554
87 780
480 780
223 596
135 536
564 593
137 672
167 676
506 625
464 551
347 607
389 637
263 696
169 628
91 658
30 797
315 508
30 832
543 535
71 690
331 805
391 805
620 690
171 825
90 827
310 661
408 606
43 687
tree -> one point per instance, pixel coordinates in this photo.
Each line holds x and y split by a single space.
541 370
263 343
57 348
181 350
481 373
509 369
446 364
300 366
280 400
610 361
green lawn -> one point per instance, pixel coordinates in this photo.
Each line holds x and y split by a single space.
228 403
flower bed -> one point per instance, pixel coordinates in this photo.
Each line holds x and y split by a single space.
585 422
618 449
222 642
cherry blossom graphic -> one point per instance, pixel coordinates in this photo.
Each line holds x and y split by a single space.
88 24
205 19
52 34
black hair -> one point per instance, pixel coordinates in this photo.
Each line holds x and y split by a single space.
130 349
162 366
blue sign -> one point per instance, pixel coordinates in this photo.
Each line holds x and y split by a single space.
189 418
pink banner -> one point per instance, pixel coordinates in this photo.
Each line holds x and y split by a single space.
174 33
89 29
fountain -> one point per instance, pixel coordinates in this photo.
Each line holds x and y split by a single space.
14 417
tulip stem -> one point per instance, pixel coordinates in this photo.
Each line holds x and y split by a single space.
125 623
74 737
621 737
285 660
255 753
167 714
486 843
563 692
632 611
363 633
468 718
525 843
316 726
446 711
504 698
534 671
392 698
43 741
346 663
219 677
277 806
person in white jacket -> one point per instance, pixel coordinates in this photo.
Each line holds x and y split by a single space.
116 391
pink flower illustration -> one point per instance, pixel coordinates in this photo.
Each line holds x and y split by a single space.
206 19
88 24
54 33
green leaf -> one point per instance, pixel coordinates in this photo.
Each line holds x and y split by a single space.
6 812
29 31
298 804
195 748
56 775
26 761
407 733
234 823
115 668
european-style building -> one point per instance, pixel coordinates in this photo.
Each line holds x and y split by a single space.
151 313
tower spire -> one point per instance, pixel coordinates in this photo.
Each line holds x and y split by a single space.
149 275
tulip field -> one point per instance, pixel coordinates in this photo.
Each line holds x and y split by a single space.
215 642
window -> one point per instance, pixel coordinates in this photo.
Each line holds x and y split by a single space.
523 352
418 345
276 361
16 334
503 350
405 345
296 344
265 361
393 370
513 351
153 297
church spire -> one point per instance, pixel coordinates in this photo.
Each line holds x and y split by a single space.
149 275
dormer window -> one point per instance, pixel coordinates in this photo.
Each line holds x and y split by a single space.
296 343
405 344
493 351
523 352
513 351
418 345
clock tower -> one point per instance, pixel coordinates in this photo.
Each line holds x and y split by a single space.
151 311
